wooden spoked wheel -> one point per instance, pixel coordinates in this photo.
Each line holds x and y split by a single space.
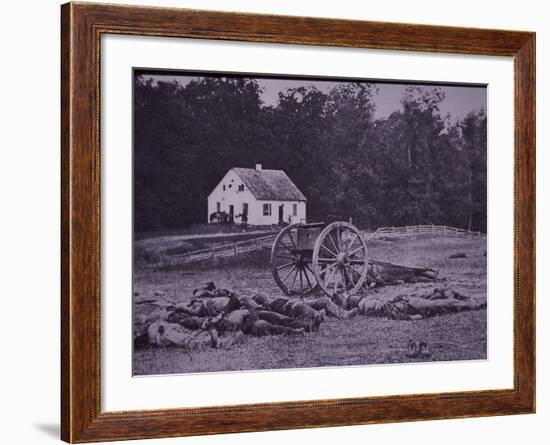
291 267
340 260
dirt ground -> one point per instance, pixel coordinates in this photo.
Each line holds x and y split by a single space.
357 341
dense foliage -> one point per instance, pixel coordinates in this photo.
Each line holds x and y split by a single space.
413 167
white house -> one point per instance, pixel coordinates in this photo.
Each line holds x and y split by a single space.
258 197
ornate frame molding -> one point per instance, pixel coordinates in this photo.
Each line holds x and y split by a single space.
82 25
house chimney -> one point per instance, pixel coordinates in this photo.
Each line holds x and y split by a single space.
259 167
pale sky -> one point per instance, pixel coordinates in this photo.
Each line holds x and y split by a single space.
459 100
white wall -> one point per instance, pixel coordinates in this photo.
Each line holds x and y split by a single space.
288 215
232 196
29 184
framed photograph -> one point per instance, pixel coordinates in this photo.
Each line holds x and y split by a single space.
275 222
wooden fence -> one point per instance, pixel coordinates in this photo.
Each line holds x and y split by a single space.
421 230
227 250
243 247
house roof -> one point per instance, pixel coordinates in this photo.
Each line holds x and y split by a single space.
269 184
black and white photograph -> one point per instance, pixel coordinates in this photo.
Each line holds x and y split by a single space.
304 222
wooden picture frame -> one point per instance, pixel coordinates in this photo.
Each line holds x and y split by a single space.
82 26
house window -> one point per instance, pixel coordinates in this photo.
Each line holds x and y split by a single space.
267 209
294 209
218 207
241 188
224 188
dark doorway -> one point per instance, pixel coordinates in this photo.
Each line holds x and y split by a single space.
281 212
231 214
244 217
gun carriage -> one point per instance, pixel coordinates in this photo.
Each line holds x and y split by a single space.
327 256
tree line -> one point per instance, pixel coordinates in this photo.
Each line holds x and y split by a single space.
413 167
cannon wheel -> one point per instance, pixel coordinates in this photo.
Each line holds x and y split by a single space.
291 268
340 261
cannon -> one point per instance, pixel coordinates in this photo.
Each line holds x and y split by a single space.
329 256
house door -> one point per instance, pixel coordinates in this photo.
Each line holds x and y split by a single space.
281 213
244 217
231 214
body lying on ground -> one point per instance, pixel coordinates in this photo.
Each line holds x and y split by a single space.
412 304
263 315
255 322
176 332
303 309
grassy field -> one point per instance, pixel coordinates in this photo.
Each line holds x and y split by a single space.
151 248
360 340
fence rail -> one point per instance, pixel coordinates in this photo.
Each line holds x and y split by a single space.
420 230
242 247
227 250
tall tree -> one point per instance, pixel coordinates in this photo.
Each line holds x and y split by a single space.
474 131
186 138
412 167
